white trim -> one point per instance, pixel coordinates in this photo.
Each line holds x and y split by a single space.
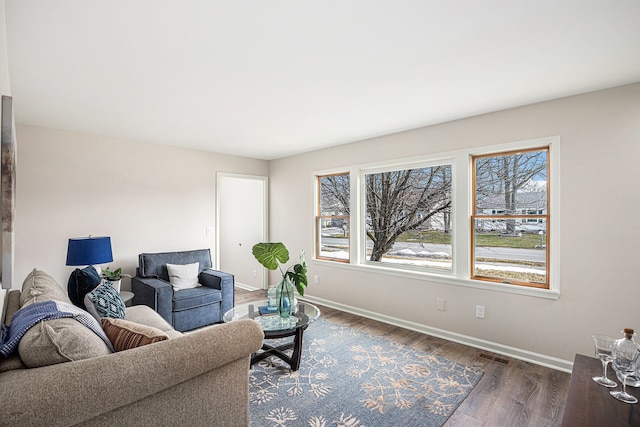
246 287
362 191
517 353
437 278
461 161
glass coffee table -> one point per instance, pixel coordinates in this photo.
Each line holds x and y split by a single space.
273 326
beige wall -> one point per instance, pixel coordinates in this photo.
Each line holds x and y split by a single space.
146 197
600 201
5 81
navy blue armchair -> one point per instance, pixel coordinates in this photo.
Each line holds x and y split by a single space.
184 309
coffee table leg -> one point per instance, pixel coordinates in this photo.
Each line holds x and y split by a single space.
293 361
268 350
297 349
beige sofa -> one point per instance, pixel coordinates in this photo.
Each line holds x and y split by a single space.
197 379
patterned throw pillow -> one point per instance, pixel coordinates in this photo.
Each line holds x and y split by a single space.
104 301
124 334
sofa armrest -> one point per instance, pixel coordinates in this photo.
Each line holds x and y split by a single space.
154 293
223 281
81 390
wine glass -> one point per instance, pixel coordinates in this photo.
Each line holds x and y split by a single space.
604 346
624 362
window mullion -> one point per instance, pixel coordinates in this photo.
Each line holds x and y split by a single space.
461 254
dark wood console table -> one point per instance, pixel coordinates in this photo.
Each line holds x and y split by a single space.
590 404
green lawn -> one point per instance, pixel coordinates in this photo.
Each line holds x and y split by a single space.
426 237
525 241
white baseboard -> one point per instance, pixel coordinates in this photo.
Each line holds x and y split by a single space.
527 356
247 287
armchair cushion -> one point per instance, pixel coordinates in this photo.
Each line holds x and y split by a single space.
155 265
195 297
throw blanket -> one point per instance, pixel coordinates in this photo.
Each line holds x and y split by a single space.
31 315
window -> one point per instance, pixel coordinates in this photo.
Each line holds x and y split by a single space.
480 217
408 217
332 219
510 217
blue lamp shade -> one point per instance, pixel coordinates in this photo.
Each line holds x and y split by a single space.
89 251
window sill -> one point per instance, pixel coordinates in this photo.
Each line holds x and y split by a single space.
450 280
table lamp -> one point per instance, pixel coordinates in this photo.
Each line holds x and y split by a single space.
89 251
86 251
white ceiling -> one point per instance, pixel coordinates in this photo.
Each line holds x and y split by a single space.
268 79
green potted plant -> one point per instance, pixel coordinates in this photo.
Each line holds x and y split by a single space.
113 277
272 256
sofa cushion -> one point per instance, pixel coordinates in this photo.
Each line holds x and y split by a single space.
125 335
39 286
59 340
12 304
183 276
147 316
105 301
10 363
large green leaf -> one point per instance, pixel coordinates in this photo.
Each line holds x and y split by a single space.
268 254
298 275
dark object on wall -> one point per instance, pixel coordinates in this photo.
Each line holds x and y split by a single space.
7 189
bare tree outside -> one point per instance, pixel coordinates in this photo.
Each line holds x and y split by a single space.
511 214
335 194
333 217
407 217
404 200
499 179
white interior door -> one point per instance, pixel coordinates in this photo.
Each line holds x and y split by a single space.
241 223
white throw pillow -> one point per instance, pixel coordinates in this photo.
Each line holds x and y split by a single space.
183 276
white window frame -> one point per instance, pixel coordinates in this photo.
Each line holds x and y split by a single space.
462 193
362 250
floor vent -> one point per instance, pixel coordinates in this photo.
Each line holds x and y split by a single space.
494 358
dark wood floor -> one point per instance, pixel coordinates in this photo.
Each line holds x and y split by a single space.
512 393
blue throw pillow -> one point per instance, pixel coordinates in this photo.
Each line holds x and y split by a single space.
104 301
81 282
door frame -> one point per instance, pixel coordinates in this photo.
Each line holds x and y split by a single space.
265 213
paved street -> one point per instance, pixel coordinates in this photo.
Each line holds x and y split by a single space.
534 255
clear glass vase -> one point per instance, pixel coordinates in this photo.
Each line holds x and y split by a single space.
272 298
285 298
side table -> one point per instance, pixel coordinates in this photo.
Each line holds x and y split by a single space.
590 404
126 296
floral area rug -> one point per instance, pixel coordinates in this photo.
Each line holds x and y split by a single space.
352 379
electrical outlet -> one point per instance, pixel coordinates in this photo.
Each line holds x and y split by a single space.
480 311
255 274
316 279
440 304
